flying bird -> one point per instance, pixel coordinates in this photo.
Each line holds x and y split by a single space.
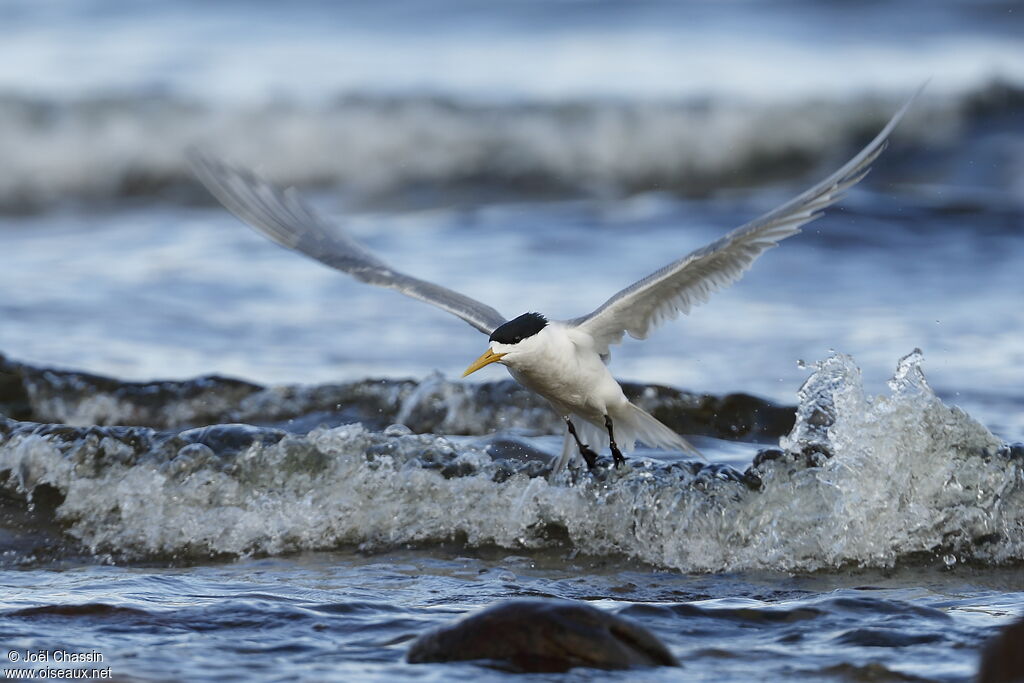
564 361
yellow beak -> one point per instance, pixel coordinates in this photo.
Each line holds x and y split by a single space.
486 359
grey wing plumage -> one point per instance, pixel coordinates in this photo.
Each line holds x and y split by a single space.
284 218
691 280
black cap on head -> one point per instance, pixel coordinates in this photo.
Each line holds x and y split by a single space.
518 329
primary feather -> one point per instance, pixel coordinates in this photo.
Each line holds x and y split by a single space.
690 281
284 218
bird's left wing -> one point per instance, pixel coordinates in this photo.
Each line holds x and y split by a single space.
691 280
284 218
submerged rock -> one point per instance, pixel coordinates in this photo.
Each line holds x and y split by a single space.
1002 659
824 498
36 394
732 416
532 636
432 405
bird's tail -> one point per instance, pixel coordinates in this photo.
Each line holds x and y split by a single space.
636 424
631 424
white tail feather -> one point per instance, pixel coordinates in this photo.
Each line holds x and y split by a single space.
639 425
631 425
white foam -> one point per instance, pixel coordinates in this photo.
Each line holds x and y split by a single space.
382 147
908 474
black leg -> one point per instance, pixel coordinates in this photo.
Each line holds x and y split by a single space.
588 455
616 453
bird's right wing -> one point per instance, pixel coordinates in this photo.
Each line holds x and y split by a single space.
284 218
685 283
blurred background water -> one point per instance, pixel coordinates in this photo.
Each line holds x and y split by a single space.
538 156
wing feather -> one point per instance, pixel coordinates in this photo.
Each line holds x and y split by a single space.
283 217
691 280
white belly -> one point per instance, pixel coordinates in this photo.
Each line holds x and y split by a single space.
573 379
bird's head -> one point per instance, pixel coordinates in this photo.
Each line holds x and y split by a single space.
514 339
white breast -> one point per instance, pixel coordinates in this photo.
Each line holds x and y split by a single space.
561 364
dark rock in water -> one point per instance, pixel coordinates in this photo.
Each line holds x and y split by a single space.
810 455
47 395
231 438
543 636
767 455
1012 451
706 474
14 399
733 416
298 409
92 449
513 456
1002 659
815 455
433 405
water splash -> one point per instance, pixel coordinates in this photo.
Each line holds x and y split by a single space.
895 476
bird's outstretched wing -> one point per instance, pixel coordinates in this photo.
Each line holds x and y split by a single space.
286 219
691 280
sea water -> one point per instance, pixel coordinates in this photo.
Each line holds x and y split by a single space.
536 157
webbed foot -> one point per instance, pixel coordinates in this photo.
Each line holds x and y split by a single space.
589 455
617 455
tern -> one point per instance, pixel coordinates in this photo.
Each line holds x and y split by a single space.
564 361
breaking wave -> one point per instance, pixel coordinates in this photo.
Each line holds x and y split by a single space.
858 480
388 150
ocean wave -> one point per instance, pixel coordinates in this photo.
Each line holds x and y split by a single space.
434 404
414 149
858 480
